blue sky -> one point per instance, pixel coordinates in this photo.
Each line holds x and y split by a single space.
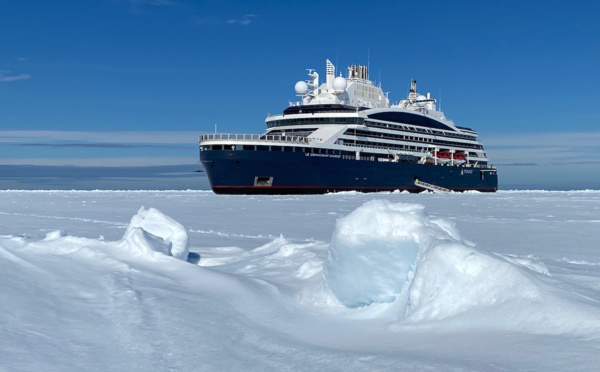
133 82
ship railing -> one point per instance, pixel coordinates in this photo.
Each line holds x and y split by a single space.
251 138
488 167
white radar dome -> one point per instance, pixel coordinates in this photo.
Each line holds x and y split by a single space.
301 88
339 84
421 101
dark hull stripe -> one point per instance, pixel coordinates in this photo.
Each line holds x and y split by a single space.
236 172
319 190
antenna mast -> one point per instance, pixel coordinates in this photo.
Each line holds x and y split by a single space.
368 61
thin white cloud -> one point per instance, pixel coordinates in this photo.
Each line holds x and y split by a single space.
543 148
154 140
244 20
103 162
48 136
544 139
5 78
138 6
215 21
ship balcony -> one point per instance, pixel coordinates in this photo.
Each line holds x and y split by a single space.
220 137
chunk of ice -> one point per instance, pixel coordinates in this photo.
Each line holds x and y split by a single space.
150 230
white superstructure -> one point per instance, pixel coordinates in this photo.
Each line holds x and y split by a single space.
353 114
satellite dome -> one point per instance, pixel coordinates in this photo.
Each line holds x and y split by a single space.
339 84
421 101
301 88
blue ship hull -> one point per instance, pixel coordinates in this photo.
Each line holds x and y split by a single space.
268 172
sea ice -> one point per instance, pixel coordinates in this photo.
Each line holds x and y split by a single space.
150 230
261 293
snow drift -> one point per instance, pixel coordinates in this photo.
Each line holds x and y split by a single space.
386 253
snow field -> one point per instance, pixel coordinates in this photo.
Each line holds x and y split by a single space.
337 282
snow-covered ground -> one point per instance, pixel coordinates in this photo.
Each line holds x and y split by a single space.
458 282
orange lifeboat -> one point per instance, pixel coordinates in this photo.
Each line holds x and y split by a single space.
442 157
459 158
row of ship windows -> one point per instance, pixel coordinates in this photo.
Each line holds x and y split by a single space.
375 145
336 153
278 148
416 129
310 121
360 121
360 93
395 137
319 150
292 132
348 155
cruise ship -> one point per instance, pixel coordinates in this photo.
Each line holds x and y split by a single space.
345 135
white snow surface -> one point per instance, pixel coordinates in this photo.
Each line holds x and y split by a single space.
349 281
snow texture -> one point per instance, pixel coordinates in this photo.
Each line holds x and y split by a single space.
335 282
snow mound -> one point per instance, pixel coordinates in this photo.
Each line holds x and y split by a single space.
373 252
452 278
151 231
56 234
385 252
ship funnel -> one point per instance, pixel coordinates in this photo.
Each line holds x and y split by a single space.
358 72
412 95
413 86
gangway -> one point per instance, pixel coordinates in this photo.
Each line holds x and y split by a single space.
431 187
